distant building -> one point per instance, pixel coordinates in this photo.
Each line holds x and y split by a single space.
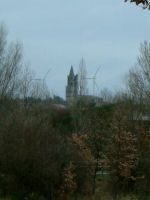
72 88
72 92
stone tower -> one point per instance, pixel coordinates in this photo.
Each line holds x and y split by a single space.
72 87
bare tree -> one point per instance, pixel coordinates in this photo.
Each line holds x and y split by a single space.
138 82
138 79
31 89
26 81
106 95
3 34
82 81
16 79
40 89
10 65
31 86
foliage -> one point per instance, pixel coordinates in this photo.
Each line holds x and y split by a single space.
145 3
122 154
58 100
142 184
37 158
69 184
85 167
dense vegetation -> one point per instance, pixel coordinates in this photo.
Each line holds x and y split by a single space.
52 152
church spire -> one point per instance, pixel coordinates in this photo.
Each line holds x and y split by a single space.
72 87
71 72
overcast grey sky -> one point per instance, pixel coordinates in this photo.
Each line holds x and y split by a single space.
58 33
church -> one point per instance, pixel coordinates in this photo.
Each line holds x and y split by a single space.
72 87
73 94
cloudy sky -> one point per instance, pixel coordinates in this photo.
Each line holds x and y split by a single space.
57 33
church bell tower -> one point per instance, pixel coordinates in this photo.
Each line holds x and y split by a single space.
72 87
